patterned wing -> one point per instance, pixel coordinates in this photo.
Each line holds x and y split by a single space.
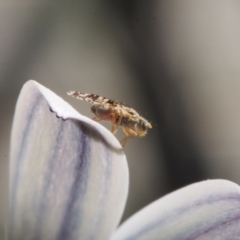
120 107
93 98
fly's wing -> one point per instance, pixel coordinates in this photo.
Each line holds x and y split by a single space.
94 99
88 97
120 107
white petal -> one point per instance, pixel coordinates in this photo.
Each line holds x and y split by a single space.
208 210
68 175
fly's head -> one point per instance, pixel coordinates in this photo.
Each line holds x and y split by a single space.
142 126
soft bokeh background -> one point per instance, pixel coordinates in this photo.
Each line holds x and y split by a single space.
176 62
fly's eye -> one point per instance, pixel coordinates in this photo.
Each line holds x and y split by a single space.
144 126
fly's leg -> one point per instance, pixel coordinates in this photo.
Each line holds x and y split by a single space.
130 133
116 125
96 119
114 129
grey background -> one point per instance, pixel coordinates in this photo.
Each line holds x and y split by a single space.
176 62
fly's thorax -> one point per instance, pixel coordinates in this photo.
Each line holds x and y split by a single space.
142 127
126 121
132 114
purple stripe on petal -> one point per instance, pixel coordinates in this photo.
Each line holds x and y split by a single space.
68 181
205 210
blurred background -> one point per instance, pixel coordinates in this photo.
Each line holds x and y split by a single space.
175 62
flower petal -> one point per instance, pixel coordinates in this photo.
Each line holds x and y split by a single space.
201 211
68 174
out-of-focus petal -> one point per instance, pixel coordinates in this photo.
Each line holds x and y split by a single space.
201 211
68 174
